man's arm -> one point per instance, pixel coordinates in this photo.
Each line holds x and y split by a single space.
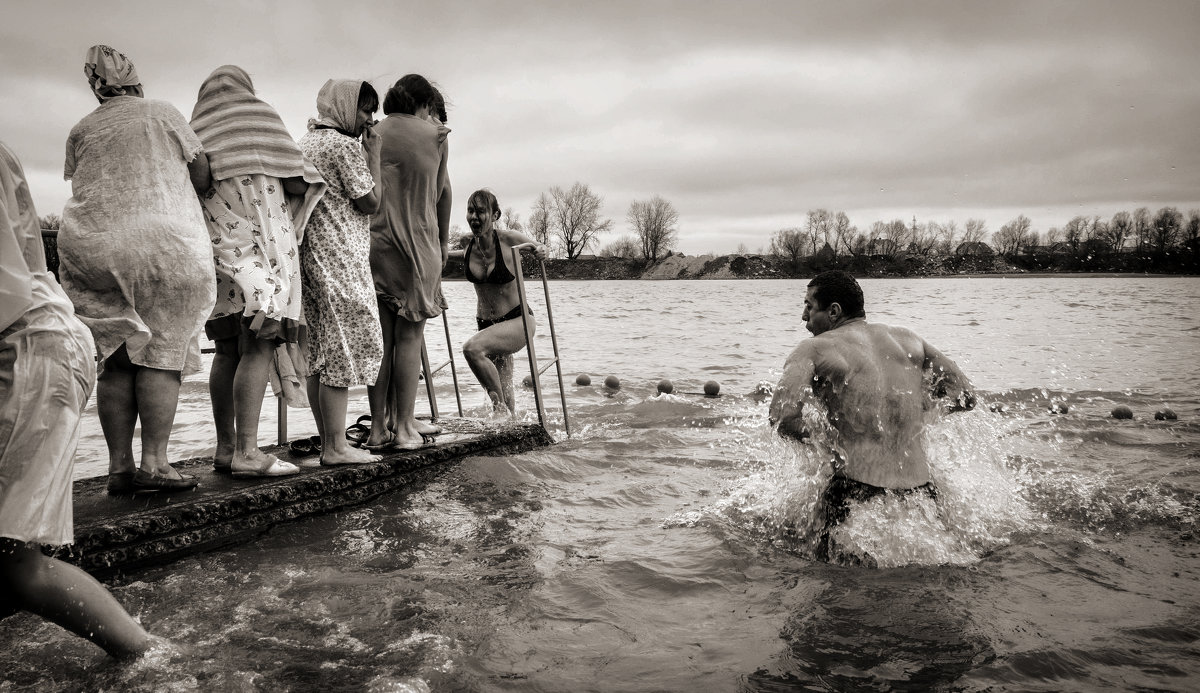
795 385
947 380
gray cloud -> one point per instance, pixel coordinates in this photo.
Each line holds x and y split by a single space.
745 116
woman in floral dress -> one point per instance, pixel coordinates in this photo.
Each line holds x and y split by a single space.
345 341
262 194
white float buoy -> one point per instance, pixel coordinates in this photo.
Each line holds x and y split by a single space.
1122 412
583 379
612 382
666 386
1165 414
712 388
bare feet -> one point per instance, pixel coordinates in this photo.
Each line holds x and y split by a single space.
348 455
223 456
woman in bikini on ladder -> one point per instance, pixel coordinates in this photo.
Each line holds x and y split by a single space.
488 260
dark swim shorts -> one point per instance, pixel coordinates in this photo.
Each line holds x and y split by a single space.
842 490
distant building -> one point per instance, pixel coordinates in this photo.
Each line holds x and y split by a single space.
974 249
826 255
882 245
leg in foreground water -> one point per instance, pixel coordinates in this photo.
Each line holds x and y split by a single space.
47 372
68 596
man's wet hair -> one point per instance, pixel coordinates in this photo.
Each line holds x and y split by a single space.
836 286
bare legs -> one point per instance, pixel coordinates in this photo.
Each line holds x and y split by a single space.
66 595
394 396
328 404
125 393
502 339
237 384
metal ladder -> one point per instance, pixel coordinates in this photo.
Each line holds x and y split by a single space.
534 368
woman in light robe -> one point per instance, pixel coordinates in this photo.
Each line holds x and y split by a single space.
137 263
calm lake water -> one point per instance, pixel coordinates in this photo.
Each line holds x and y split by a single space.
663 546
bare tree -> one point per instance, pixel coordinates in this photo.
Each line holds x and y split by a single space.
947 236
626 247
654 223
975 231
923 238
1168 224
51 221
1120 228
742 249
789 243
458 239
575 218
1052 236
1012 236
1075 233
843 233
539 220
819 224
1141 228
1191 232
512 220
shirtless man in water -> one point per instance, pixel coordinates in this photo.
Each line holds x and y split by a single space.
879 384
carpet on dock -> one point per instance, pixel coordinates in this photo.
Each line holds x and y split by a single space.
120 533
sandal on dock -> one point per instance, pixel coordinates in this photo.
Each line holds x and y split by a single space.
273 467
358 434
148 482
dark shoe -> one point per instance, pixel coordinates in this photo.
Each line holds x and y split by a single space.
120 484
145 482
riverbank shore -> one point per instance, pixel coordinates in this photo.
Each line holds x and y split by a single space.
770 267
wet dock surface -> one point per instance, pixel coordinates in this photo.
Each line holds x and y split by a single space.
117 533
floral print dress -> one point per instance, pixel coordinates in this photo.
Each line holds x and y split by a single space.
257 259
345 341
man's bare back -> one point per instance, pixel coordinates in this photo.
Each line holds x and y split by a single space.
877 383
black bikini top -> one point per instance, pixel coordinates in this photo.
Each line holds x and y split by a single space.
499 273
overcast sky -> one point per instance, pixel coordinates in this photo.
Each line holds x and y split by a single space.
744 115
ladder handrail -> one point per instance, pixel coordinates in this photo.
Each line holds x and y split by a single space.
535 370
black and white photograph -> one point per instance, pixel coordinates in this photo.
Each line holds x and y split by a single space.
600 346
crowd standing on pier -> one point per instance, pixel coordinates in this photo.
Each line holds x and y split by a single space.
286 254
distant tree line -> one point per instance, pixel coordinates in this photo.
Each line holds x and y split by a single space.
1138 241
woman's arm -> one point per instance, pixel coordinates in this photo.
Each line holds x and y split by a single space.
516 239
200 173
295 186
369 203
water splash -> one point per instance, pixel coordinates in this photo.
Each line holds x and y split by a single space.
779 502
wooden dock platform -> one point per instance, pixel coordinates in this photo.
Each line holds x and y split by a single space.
119 533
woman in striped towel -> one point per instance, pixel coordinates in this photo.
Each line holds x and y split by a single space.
262 194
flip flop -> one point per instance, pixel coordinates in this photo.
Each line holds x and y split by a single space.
277 467
357 434
364 420
301 447
382 447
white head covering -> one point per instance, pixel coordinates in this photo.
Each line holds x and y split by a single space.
337 105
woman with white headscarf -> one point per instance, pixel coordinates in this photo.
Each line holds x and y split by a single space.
262 195
137 263
345 342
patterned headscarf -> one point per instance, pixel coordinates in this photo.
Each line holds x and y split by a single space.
337 105
109 72
242 134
